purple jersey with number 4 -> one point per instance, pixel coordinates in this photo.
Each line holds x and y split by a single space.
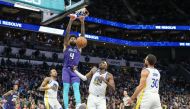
71 56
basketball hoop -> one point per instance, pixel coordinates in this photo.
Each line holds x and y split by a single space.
82 12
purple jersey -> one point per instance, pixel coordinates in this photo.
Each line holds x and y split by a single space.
10 104
71 56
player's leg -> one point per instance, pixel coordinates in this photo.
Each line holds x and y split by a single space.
57 104
77 94
101 104
144 102
46 102
91 102
52 103
76 84
156 103
66 86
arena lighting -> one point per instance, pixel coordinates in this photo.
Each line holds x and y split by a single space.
123 25
105 39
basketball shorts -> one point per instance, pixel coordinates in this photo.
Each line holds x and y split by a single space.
52 103
148 100
68 76
96 102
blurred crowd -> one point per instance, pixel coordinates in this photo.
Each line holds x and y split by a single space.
143 12
133 12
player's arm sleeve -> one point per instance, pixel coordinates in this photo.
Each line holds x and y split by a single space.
144 75
67 35
43 86
88 75
81 76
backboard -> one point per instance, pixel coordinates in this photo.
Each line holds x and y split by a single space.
52 10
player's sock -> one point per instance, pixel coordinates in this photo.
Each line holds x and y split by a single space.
66 87
77 93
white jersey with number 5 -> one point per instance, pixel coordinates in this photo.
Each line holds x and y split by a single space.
152 82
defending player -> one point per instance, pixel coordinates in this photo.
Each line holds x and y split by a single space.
147 90
101 78
50 86
71 58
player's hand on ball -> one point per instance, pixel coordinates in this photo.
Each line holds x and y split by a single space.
94 69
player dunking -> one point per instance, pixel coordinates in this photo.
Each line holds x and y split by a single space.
101 78
147 90
50 86
71 58
11 98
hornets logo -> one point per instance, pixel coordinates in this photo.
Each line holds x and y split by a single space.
97 81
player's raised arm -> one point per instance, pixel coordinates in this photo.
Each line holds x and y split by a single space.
81 18
87 76
43 86
144 75
68 30
110 81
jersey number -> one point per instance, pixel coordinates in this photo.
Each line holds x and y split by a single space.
72 55
154 83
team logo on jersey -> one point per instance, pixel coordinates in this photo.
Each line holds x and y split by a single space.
97 81
72 50
55 85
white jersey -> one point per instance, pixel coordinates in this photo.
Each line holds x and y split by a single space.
50 93
152 82
98 87
125 101
149 97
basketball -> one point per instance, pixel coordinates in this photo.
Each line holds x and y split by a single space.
81 42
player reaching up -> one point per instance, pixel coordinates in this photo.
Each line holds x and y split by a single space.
71 58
